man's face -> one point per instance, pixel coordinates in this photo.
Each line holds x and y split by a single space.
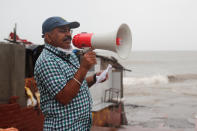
60 37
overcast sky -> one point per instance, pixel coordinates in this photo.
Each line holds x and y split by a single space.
155 24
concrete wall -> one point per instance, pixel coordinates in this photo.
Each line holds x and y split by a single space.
114 81
117 76
12 72
98 90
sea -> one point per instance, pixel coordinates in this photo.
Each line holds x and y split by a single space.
161 89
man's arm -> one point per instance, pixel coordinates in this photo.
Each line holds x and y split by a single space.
73 86
91 80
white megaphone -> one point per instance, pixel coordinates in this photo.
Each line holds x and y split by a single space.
119 41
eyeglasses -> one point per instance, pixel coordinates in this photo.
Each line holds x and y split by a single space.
65 30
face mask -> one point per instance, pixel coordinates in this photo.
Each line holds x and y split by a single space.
67 51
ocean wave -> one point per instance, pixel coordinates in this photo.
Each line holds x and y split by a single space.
182 77
158 79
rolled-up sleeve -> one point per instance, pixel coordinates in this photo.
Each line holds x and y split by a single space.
51 76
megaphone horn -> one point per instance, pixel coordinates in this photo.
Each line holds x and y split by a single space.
119 41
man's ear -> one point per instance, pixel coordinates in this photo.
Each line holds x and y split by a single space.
48 38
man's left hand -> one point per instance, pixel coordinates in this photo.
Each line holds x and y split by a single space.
106 77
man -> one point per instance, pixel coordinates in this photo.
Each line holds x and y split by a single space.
61 79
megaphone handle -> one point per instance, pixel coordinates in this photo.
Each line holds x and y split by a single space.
87 49
84 50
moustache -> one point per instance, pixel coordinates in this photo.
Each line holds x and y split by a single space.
67 38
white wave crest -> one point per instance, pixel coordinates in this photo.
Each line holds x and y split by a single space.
156 79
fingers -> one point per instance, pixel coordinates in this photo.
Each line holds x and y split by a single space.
106 77
90 49
89 59
90 54
98 73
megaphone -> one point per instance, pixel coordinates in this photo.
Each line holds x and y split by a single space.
119 41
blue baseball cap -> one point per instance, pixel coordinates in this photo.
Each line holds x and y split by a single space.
56 21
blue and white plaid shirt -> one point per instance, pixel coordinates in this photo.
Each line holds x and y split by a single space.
51 74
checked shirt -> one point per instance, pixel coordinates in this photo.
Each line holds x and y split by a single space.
52 73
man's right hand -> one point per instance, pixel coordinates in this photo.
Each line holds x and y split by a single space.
88 60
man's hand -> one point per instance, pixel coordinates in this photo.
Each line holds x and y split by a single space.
103 75
91 79
106 78
88 60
